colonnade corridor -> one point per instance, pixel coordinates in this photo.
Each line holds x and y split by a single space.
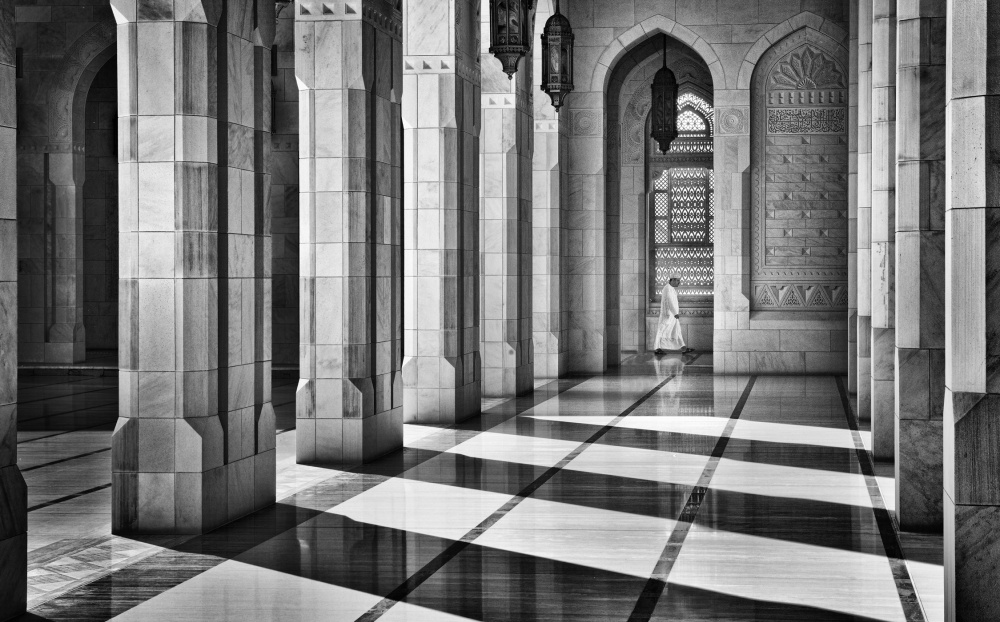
656 492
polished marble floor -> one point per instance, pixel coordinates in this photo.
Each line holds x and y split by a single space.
658 492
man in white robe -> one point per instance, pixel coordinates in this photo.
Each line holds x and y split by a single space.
668 329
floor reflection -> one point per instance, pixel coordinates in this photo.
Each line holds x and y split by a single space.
657 492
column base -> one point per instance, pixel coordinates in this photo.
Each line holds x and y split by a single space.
549 360
151 495
508 381
338 441
441 389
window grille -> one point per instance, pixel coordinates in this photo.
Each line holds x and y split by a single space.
682 231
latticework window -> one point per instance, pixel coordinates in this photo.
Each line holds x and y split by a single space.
682 231
688 121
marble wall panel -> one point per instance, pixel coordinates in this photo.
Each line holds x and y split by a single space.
60 58
284 204
863 290
505 169
13 492
100 213
350 395
852 201
194 444
883 228
920 262
971 461
441 243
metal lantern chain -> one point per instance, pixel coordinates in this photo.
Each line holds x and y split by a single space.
510 32
557 58
664 120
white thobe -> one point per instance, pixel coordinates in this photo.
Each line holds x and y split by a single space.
668 329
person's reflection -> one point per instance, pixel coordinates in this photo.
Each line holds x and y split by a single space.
669 365
668 399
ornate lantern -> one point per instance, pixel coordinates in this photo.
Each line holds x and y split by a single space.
510 32
557 58
664 105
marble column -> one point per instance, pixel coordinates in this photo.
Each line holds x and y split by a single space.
852 203
863 290
348 64
920 82
441 113
548 185
505 226
194 444
972 313
883 232
13 492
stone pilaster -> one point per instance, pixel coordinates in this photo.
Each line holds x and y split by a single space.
863 290
348 63
852 203
285 192
548 184
920 82
194 444
972 313
441 113
505 226
883 240
13 492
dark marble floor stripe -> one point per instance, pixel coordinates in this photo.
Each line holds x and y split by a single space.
71 411
89 427
73 394
657 583
418 578
68 497
41 466
912 608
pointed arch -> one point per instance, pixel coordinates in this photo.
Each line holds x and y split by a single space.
642 31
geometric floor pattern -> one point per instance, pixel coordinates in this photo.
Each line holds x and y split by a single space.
656 492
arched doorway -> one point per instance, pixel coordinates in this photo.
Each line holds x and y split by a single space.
52 172
680 217
638 253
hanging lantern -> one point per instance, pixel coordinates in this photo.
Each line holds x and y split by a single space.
510 32
557 58
664 105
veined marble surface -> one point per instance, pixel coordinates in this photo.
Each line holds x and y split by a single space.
656 492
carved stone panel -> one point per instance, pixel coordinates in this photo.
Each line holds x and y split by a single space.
799 175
